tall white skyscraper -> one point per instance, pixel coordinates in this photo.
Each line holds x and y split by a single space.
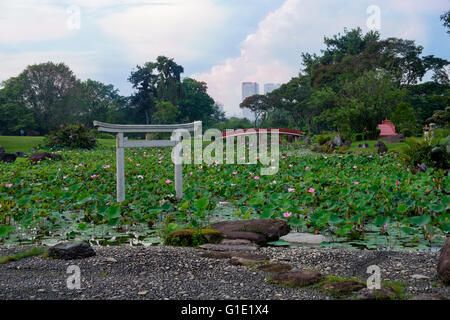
249 89
269 87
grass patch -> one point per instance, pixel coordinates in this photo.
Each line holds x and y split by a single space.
27 144
22 255
397 286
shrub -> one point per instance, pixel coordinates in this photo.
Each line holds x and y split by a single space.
432 153
359 137
324 138
406 132
71 136
193 238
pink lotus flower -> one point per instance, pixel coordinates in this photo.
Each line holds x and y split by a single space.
256 178
94 176
397 183
107 166
283 157
355 167
291 165
190 173
168 181
8 185
306 168
356 183
287 214
311 190
235 173
138 164
64 177
21 183
291 190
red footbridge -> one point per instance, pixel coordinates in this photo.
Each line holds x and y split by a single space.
291 134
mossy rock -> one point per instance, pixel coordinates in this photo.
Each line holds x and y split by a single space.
193 238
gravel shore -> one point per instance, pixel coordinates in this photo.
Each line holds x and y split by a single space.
168 273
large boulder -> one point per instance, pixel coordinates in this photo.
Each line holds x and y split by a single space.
71 251
337 141
39 156
381 147
443 269
259 231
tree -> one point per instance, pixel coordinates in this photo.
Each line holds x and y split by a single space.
196 104
445 17
46 90
258 104
165 113
100 102
364 103
14 115
403 118
156 81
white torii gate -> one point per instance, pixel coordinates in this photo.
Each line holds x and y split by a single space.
122 142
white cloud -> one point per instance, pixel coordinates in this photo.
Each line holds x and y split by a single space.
32 21
183 30
272 52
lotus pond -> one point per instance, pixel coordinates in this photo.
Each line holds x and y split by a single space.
357 201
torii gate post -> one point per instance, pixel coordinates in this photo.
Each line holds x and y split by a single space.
122 143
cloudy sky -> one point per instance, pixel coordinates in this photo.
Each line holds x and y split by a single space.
222 42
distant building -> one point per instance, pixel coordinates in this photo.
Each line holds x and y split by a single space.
249 89
269 87
387 128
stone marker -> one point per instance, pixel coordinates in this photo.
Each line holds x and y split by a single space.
304 238
299 278
247 259
343 287
443 269
71 251
337 141
275 267
384 293
225 247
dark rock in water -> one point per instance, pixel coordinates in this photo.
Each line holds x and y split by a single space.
337 141
71 251
259 231
2 149
298 278
348 143
343 287
382 148
384 293
429 296
20 154
8 157
423 168
443 269
275 267
40 156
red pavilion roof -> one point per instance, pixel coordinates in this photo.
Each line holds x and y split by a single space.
387 128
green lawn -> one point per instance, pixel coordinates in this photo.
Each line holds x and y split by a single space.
26 144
